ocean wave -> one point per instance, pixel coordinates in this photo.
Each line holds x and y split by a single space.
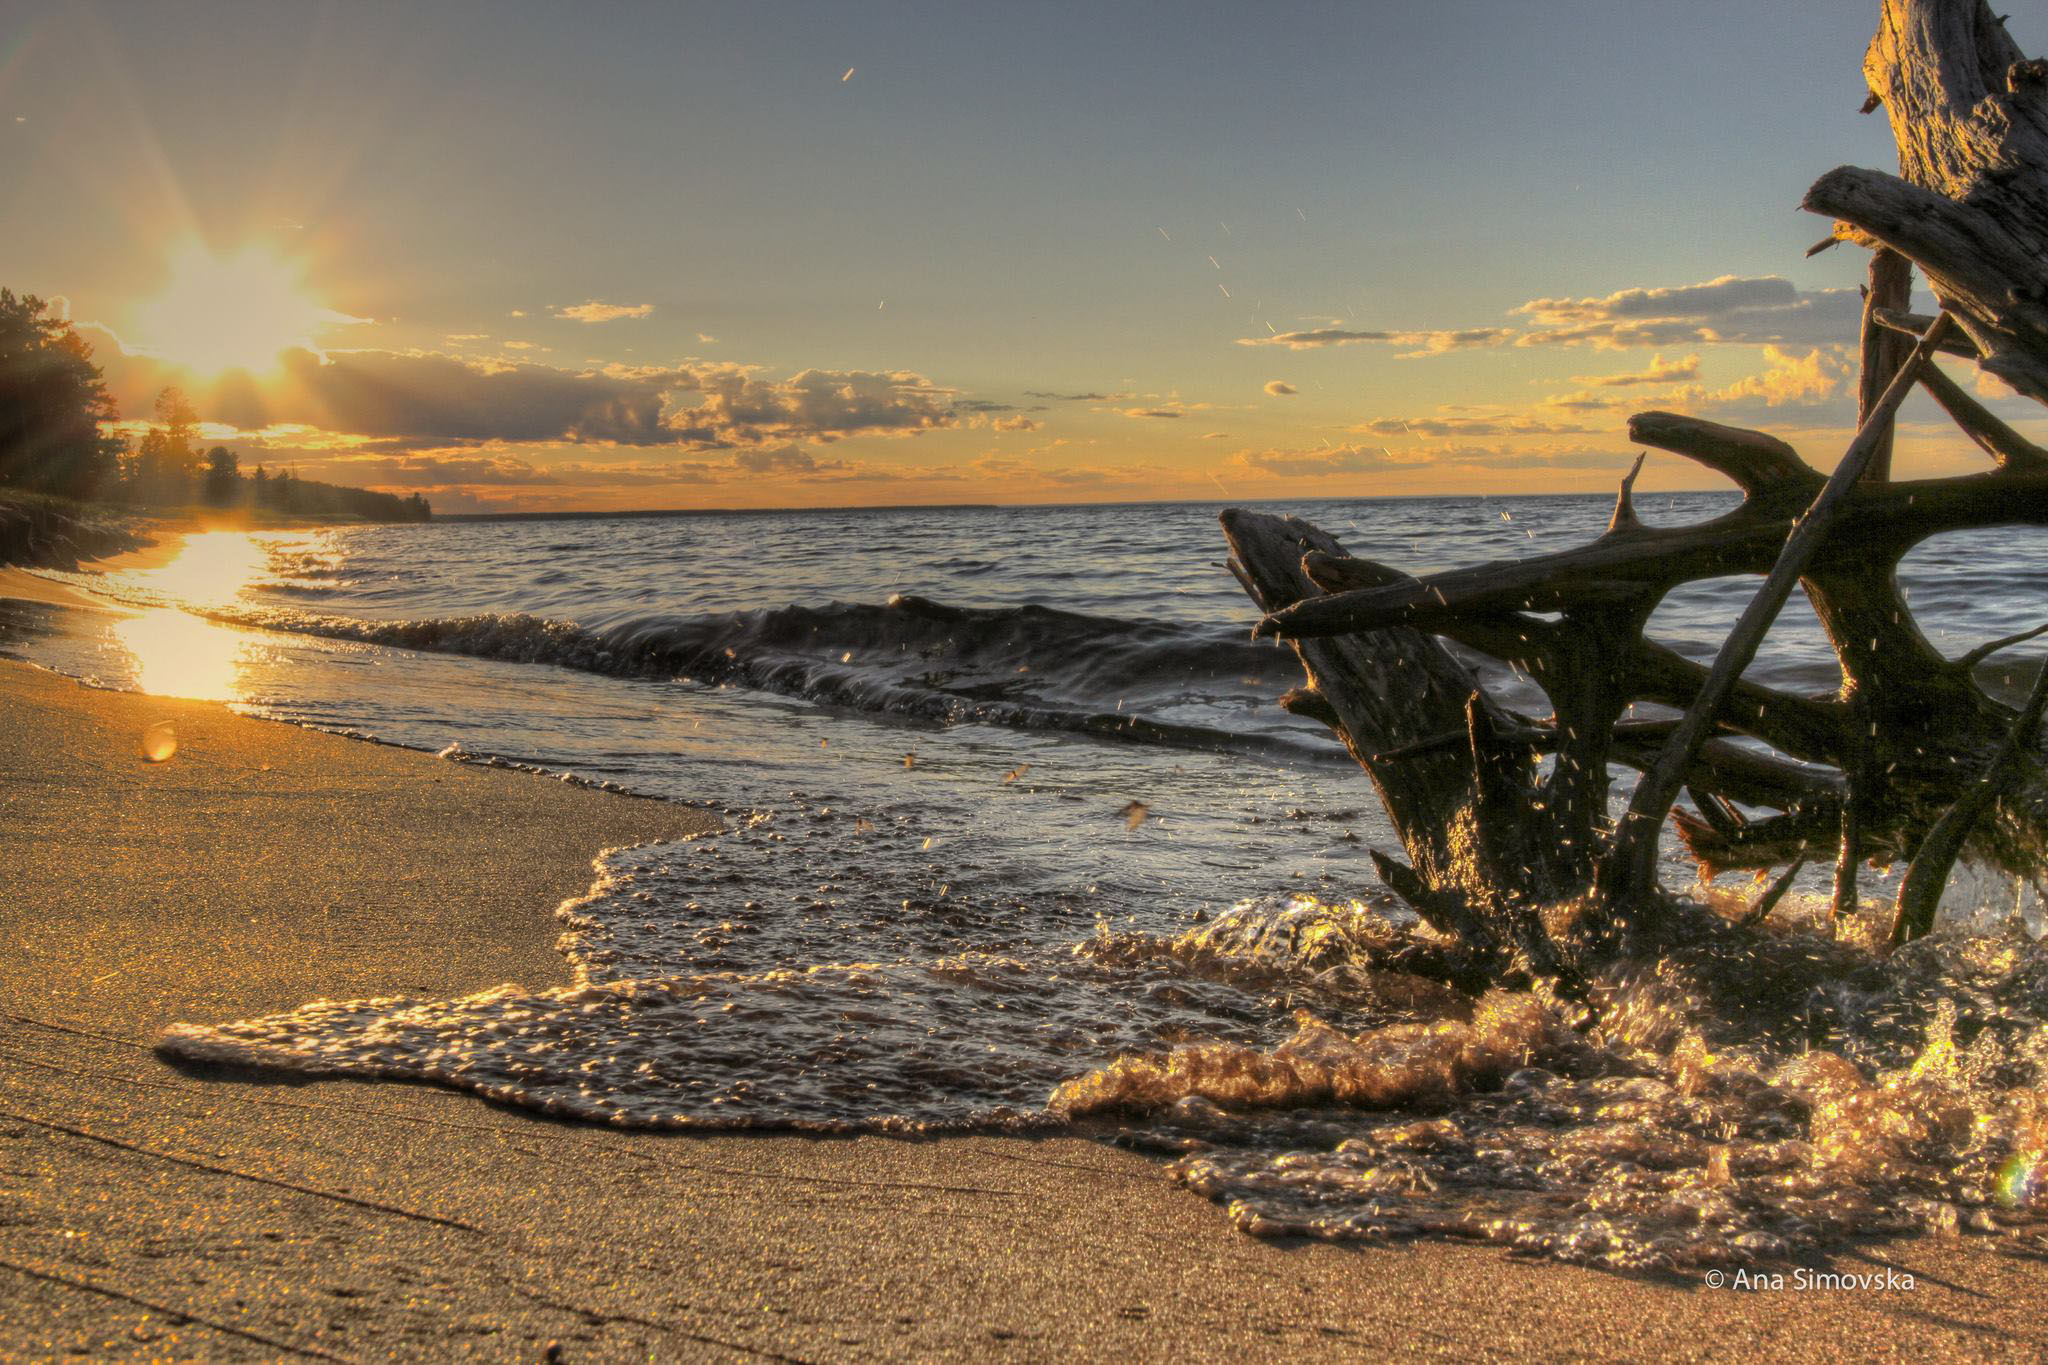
1027 667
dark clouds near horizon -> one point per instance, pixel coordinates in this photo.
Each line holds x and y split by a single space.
402 400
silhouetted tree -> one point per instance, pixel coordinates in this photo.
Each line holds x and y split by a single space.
52 401
166 464
286 492
223 481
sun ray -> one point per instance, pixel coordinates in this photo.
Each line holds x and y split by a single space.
239 311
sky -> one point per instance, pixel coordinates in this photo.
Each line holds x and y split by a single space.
605 256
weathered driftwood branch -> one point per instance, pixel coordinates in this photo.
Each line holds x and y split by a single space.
1883 351
1383 691
1916 324
1969 112
1920 891
1966 662
1768 902
1504 817
1615 568
1885 354
2013 451
1630 873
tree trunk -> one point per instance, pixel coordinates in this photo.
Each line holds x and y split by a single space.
1969 112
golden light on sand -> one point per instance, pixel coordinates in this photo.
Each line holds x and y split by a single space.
235 312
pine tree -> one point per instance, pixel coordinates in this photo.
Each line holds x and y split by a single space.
52 401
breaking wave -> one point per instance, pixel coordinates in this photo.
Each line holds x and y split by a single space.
1026 667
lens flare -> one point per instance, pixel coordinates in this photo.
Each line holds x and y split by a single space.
2022 1180
159 742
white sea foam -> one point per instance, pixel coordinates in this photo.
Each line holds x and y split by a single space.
1738 1102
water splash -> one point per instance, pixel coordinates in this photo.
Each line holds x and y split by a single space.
1304 1062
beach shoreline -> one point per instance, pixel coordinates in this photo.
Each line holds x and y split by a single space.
156 1211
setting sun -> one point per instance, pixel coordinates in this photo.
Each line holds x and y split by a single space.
231 312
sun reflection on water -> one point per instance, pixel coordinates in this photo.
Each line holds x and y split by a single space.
210 569
174 653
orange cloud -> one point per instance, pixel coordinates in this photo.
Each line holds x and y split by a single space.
596 310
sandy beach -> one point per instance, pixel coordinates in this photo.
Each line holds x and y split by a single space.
154 1213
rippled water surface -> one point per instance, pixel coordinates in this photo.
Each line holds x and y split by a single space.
1017 838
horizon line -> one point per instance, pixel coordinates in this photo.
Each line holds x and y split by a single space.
591 514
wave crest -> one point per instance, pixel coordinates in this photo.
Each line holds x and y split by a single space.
1026 667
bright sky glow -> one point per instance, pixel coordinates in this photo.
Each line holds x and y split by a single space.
675 257
240 311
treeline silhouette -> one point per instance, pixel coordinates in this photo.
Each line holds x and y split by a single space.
53 401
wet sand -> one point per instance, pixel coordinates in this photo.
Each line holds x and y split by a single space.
146 1211
31 587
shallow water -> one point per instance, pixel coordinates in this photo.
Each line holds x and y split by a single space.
1017 838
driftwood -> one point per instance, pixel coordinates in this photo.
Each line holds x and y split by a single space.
1505 818
1970 203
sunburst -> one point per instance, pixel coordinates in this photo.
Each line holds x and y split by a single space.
240 311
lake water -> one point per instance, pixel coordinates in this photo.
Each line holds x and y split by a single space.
1018 839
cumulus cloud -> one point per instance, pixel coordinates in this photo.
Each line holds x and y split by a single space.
1715 298
430 399
1280 388
596 310
1415 343
787 459
1728 310
1661 371
1153 412
1586 400
1443 426
1788 380
981 413
822 405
